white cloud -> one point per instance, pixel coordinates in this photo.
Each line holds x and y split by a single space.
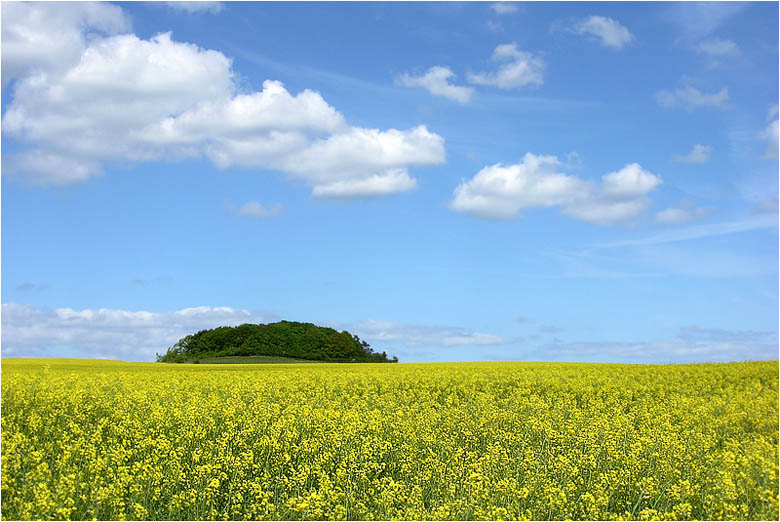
717 47
502 192
196 7
44 168
679 216
691 98
504 7
771 134
629 182
391 182
699 154
271 111
701 231
697 20
519 69
108 333
420 335
44 37
359 154
769 205
692 344
129 99
138 335
95 110
610 32
673 216
604 211
494 26
253 209
436 81
573 161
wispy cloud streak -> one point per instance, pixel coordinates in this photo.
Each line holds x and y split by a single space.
700 231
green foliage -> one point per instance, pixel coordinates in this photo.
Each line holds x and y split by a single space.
283 339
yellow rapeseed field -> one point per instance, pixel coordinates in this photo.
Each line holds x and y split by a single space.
111 440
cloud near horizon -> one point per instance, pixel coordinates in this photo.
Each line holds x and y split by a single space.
180 101
108 333
502 191
28 331
691 344
137 335
414 335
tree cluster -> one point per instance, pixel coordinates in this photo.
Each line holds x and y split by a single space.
284 339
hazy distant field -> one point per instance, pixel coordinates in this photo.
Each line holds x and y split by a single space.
84 439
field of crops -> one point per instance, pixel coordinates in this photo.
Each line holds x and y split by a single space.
110 440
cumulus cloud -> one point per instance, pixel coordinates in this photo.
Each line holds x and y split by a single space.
196 7
390 182
108 333
121 84
358 154
503 191
43 37
517 69
504 7
413 335
437 82
699 154
608 31
129 99
44 168
629 182
253 209
690 98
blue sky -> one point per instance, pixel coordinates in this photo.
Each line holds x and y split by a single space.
450 181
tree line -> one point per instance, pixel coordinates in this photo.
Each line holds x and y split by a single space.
285 339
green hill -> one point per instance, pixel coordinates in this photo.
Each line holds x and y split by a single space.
305 341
